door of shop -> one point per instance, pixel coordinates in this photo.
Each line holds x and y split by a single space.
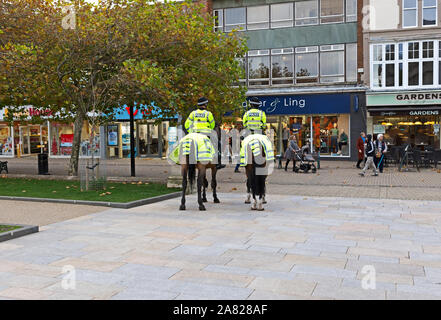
150 140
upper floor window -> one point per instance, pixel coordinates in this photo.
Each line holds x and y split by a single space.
332 63
235 19
258 67
307 68
332 11
281 15
408 64
218 20
258 17
282 66
351 10
306 12
429 13
410 13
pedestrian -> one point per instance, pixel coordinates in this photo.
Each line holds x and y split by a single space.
285 137
290 153
360 147
370 154
381 147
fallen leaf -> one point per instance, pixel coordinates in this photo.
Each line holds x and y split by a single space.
234 189
24 191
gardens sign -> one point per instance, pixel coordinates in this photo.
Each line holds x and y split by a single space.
404 98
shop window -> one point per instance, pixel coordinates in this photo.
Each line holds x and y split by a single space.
282 15
61 139
330 133
429 13
257 17
331 11
332 63
6 141
235 19
351 62
282 66
306 64
410 13
351 10
258 67
218 20
306 12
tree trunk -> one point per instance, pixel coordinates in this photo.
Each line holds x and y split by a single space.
78 127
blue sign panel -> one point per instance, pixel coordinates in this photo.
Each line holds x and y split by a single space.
152 112
306 104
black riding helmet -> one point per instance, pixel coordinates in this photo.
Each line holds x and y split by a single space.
254 102
202 103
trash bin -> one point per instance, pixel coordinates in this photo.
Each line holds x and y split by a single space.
43 163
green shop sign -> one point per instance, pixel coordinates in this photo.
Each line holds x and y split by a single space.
404 98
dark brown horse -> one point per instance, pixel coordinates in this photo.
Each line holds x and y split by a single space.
189 165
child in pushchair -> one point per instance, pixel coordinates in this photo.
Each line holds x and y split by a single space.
307 161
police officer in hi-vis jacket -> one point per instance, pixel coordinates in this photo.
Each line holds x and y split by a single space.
255 119
202 121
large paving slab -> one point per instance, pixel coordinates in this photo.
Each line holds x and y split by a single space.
298 248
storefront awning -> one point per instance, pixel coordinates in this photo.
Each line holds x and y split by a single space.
406 111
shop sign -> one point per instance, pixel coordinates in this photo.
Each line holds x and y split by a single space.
306 104
26 113
404 98
378 128
404 112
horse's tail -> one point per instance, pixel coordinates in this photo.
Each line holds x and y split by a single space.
191 174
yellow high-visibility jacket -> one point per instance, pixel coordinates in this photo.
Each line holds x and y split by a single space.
200 121
255 141
254 119
203 152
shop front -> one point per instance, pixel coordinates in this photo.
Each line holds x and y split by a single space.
23 136
406 117
61 136
330 123
150 136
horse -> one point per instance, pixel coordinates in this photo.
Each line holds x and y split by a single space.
256 154
190 161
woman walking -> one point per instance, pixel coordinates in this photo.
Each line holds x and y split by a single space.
290 153
360 147
370 154
381 150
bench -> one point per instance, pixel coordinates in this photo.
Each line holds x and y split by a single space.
4 166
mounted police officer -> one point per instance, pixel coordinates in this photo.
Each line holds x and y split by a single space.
254 119
202 121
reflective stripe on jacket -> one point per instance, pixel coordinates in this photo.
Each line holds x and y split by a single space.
204 150
255 141
201 121
254 119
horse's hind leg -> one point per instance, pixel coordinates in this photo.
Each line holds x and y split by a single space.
214 184
184 170
260 182
201 177
204 190
248 200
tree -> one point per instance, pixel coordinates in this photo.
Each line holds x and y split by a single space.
113 53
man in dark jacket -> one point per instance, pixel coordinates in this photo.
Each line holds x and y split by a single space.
370 154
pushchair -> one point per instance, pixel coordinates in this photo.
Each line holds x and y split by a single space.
307 161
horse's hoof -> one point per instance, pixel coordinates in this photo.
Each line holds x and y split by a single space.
247 202
202 208
253 208
216 200
264 202
204 200
182 207
261 209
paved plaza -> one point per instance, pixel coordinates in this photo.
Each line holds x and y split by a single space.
299 248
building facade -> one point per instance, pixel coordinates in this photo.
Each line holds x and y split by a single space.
303 63
402 70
